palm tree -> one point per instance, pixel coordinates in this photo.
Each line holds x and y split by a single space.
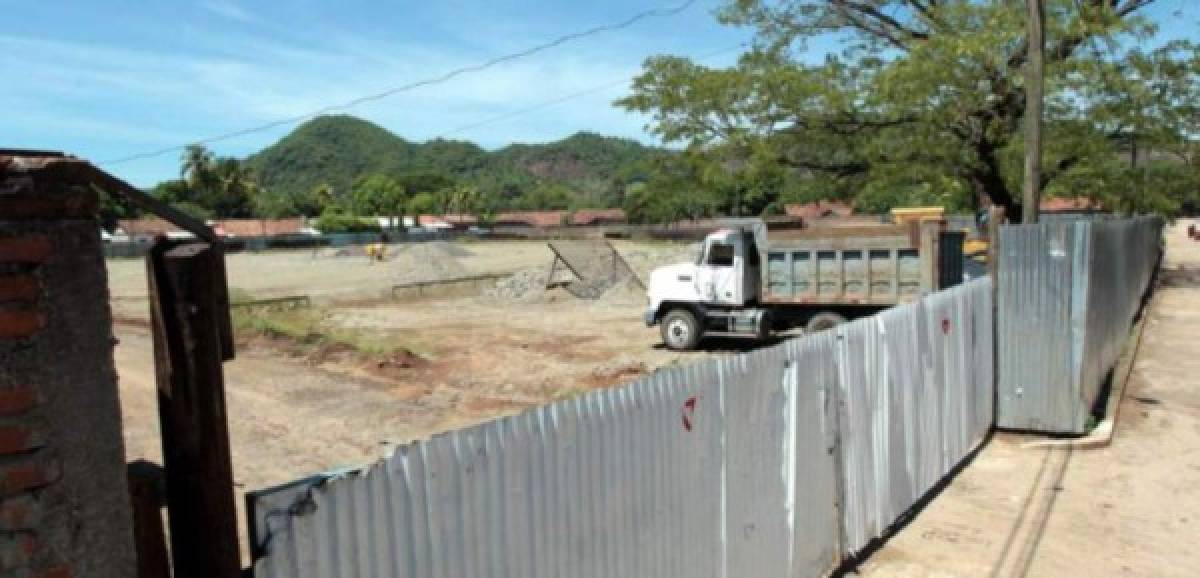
234 187
197 168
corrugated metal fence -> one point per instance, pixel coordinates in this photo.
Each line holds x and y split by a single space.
776 463
1067 293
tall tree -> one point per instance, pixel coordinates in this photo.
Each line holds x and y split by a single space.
925 91
220 187
378 195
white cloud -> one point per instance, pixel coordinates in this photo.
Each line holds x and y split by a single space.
228 9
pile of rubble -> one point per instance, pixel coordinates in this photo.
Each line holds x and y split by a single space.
524 285
430 261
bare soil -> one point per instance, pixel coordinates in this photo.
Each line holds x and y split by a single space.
1129 509
298 410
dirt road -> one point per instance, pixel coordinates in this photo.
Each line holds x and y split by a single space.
1131 509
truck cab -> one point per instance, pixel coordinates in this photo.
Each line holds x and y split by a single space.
724 278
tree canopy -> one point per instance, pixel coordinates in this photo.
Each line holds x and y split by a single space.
925 103
211 186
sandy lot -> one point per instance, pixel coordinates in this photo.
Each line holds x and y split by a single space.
1131 509
324 276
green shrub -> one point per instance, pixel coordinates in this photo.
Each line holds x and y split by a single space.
342 223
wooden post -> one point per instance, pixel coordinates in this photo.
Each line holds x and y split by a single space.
146 489
188 350
1034 79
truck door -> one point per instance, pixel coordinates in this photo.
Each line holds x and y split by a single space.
721 279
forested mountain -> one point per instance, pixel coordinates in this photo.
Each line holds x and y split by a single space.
582 170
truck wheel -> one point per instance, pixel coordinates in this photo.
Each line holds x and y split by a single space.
822 321
680 330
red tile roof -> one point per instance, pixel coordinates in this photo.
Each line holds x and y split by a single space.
818 209
461 219
146 226
1069 204
542 219
260 227
597 216
430 221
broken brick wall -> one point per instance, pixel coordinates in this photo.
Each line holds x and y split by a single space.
64 501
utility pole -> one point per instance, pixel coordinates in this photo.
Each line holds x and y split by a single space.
1034 78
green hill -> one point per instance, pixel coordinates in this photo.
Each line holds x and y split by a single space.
335 150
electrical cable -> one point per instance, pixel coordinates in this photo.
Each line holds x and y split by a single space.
570 96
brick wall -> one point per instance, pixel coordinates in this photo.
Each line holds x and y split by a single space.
64 502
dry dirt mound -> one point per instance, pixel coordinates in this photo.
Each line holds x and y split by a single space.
432 261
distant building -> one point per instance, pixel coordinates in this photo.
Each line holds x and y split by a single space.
147 228
1071 205
589 217
551 219
537 219
249 228
818 210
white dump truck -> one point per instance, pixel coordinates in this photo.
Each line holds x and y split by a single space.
746 282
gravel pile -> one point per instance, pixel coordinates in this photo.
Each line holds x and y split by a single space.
524 285
643 261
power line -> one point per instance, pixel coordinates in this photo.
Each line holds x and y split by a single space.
570 96
656 12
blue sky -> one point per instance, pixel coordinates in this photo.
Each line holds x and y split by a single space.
104 79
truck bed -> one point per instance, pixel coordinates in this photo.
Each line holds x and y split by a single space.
881 265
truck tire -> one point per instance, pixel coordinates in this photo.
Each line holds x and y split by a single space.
824 320
763 331
681 330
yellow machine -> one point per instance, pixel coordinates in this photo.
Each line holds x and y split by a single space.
975 246
376 251
906 215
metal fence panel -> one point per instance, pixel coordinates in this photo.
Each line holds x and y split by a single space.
916 399
780 494
772 463
1067 293
609 483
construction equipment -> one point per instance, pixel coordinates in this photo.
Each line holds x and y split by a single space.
744 284
975 242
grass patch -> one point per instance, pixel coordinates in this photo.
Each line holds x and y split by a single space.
311 328
568 393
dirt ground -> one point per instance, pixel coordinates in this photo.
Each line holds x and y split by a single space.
1131 509
322 275
293 413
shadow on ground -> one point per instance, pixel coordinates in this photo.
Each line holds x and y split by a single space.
1180 276
736 344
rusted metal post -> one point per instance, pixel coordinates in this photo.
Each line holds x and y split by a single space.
189 345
